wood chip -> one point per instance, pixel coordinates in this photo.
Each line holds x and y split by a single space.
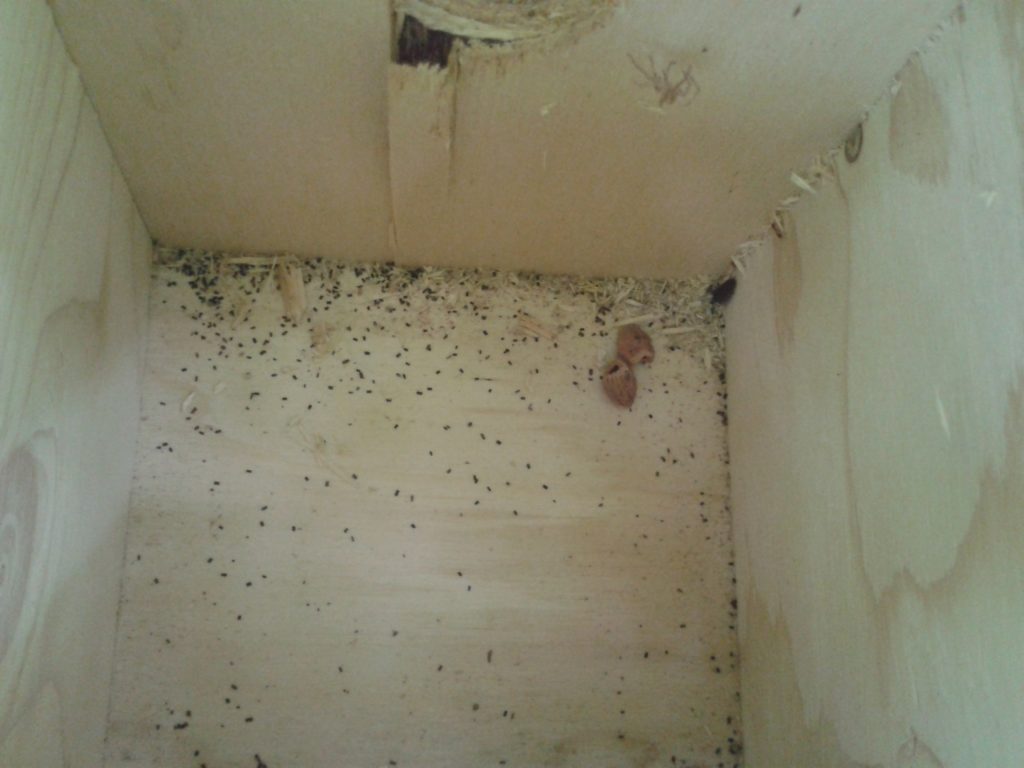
639 319
293 290
320 338
678 331
801 182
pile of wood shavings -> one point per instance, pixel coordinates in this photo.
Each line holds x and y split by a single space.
677 313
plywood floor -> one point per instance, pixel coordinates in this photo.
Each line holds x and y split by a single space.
401 532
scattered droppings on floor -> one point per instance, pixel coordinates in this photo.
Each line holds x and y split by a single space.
386 516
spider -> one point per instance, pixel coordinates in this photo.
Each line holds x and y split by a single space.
685 89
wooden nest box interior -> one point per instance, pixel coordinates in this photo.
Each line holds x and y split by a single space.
526 384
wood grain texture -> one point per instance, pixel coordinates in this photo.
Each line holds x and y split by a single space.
280 128
876 371
73 256
404 531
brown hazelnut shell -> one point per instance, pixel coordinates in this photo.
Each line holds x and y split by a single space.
634 345
619 383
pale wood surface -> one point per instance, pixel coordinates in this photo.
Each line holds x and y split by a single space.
876 358
425 540
73 282
267 127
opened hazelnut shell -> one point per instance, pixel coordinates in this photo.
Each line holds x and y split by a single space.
619 383
634 345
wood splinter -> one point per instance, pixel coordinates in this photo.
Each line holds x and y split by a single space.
292 288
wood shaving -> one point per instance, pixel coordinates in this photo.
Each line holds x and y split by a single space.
676 331
802 183
637 319
528 326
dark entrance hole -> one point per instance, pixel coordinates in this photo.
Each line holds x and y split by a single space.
416 43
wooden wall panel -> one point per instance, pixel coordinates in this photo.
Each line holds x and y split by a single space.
876 387
277 126
73 285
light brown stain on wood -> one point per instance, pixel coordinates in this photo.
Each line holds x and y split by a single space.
780 735
788 283
919 128
986 571
995 537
